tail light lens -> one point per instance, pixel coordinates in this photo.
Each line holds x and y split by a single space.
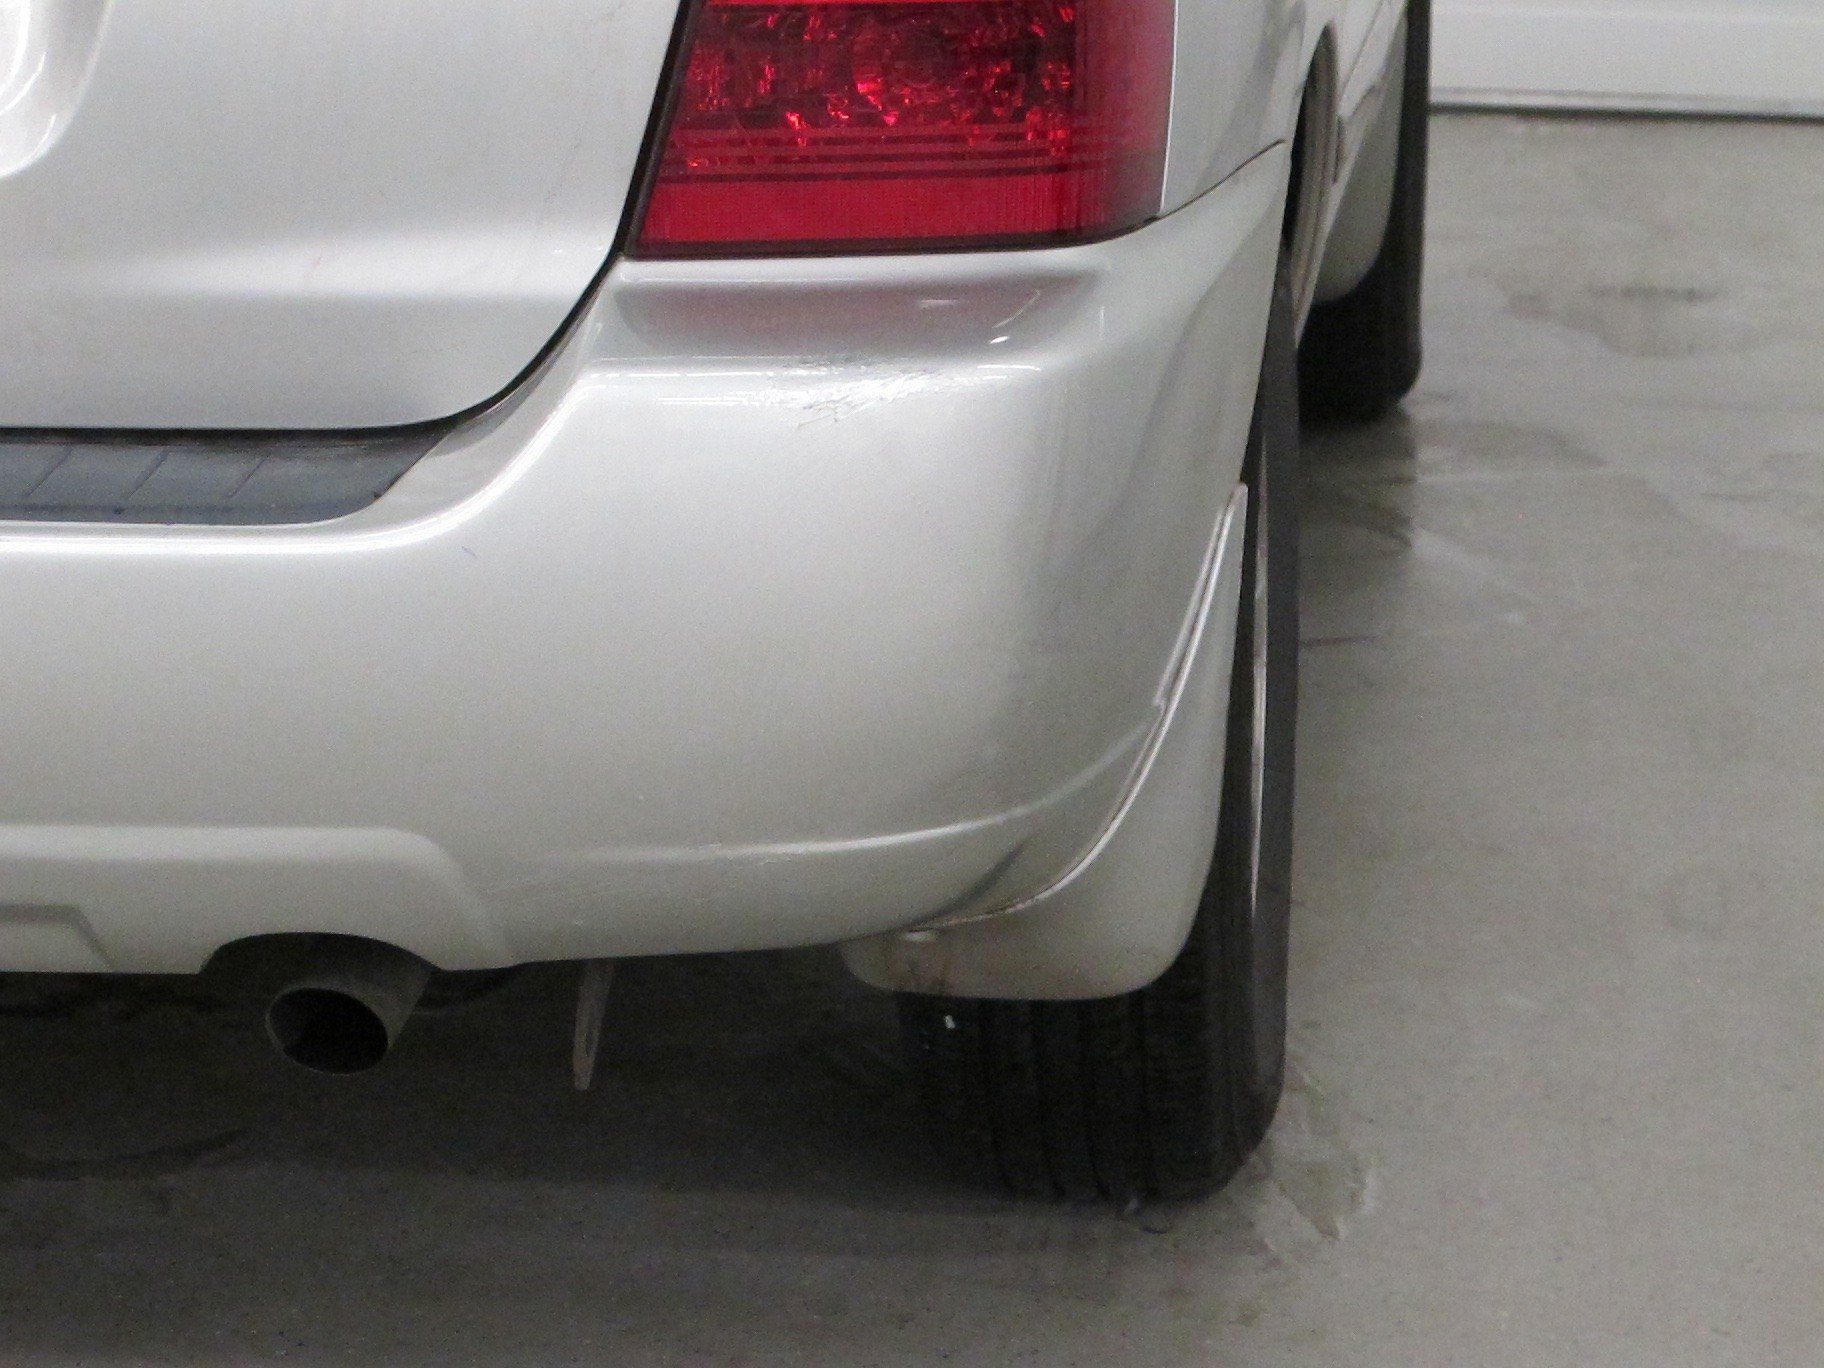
881 125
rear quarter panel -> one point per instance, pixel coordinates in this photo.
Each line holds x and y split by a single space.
1241 70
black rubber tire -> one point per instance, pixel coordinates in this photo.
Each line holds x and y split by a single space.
1362 353
1166 1091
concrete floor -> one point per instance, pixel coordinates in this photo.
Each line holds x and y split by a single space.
1560 954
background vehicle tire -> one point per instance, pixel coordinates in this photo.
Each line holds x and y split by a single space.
1166 1091
1362 353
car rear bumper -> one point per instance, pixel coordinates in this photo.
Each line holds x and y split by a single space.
789 603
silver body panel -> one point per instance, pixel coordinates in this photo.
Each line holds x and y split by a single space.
316 214
785 602
791 603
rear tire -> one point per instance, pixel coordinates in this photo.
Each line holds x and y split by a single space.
1362 353
1166 1091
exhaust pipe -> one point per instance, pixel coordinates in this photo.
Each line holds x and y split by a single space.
343 1013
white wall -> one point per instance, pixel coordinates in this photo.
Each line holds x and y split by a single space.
1719 56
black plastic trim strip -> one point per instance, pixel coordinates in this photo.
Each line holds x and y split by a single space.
211 479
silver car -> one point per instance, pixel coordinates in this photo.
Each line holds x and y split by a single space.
564 480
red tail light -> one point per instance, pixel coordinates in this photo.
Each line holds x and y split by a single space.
877 125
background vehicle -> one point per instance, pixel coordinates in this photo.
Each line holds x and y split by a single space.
599 482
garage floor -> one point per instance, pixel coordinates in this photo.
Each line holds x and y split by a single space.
1555 1091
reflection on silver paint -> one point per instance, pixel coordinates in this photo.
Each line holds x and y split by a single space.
46 50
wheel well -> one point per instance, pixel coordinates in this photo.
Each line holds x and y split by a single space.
1315 147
